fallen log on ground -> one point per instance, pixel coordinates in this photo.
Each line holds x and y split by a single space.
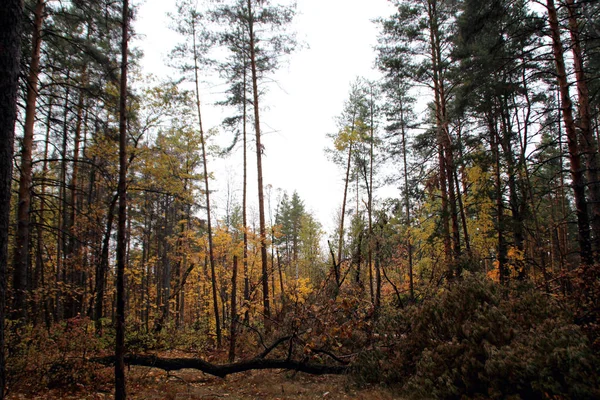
174 364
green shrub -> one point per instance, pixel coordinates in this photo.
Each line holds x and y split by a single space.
170 337
477 339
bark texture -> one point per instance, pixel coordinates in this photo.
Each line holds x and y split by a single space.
175 364
11 16
21 256
583 227
213 276
259 149
589 146
120 392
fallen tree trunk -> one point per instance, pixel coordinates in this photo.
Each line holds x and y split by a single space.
174 364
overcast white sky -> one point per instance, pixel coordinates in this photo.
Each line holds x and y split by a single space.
301 108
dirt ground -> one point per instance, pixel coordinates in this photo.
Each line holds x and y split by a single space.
154 384
190 385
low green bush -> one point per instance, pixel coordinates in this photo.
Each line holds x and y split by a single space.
476 339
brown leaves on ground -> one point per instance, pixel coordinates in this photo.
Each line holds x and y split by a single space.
191 385
154 384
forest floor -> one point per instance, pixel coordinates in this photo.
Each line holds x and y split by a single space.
155 384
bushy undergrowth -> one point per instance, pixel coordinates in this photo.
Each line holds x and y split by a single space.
479 340
586 298
138 340
40 358
471 339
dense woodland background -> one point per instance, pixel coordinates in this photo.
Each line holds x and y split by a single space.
481 279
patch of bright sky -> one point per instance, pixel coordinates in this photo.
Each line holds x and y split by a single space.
300 108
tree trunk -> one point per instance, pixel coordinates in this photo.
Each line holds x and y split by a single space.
234 317
370 203
407 207
120 390
338 264
39 276
583 228
461 188
281 286
21 255
213 276
259 148
76 272
452 244
245 196
221 371
589 146
145 279
62 213
563 230
11 16
102 268
164 288
445 132
512 171
357 259
501 250
442 159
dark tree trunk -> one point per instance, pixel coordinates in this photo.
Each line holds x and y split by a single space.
589 146
501 256
11 16
21 255
370 203
583 227
245 199
358 261
164 283
407 207
261 199
62 213
120 390
460 190
281 289
234 317
221 371
213 276
442 159
337 265
452 245
39 277
75 277
102 268
463 215
445 130
377 303
512 170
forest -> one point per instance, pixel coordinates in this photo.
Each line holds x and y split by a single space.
481 279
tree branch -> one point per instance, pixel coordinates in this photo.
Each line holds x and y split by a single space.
174 364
